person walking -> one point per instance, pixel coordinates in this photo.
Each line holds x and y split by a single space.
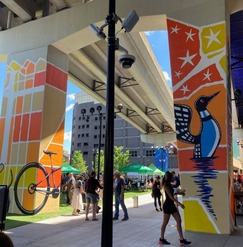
77 203
119 185
169 209
92 197
156 193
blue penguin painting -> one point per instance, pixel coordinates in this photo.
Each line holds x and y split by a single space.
205 144
208 138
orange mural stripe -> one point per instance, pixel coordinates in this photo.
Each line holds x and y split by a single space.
39 79
56 77
25 127
35 126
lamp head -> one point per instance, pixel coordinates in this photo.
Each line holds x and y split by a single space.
83 111
99 108
91 110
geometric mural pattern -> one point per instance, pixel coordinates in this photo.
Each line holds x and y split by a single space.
32 116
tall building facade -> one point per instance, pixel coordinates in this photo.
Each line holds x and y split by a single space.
88 134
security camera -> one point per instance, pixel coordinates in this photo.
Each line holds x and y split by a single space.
126 61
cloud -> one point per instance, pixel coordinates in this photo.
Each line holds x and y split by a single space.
71 96
70 107
148 33
167 76
68 136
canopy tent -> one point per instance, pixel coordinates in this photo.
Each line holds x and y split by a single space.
136 167
66 168
156 171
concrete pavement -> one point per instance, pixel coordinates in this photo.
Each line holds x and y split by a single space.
141 230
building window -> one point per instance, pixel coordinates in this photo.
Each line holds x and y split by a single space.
83 126
133 153
85 153
79 144
103 126
82 135
95 128
79 127
79 118
86 144
78 135
87 134
95 136
87 126
96 145
96 118
149 152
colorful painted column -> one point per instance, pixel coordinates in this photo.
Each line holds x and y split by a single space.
202 106
32 116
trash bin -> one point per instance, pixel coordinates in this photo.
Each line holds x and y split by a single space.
135 201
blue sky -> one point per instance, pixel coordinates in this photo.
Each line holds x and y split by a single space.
159 43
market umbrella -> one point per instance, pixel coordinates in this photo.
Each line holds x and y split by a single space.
136 167
67 169
156 171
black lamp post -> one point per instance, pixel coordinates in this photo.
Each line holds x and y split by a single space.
107 224
100 114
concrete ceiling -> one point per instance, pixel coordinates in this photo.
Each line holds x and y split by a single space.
142 90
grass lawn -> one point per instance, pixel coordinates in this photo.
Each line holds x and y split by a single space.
15 220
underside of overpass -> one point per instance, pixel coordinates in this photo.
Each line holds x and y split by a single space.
142 90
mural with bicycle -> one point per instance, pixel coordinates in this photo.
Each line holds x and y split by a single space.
35 184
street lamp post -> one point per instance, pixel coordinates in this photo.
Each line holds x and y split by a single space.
100 114
107 224
99 108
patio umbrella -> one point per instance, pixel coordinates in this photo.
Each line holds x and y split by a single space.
67 169
136 167
156 171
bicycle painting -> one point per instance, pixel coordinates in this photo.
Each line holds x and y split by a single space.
35 184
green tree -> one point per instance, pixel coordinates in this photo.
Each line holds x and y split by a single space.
65 160
121 158
79 162
101 162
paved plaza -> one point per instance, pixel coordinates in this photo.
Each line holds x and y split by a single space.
141 230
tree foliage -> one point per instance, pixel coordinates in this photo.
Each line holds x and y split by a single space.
79 162
121 159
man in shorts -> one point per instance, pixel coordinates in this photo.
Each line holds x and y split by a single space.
92 196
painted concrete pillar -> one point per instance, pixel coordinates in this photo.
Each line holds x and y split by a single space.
201 90
32 116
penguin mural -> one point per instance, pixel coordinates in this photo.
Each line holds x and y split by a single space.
205 144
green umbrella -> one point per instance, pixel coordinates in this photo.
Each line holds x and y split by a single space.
67 169
136 167
156 171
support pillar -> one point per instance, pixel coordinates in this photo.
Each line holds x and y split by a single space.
202 104
32 117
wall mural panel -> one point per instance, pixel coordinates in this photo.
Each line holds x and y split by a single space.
32 120
198 67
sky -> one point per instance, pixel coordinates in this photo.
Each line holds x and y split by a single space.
159 43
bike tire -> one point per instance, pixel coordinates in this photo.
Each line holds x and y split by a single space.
28 200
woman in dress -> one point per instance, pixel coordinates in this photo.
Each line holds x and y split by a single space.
77 203
169 209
